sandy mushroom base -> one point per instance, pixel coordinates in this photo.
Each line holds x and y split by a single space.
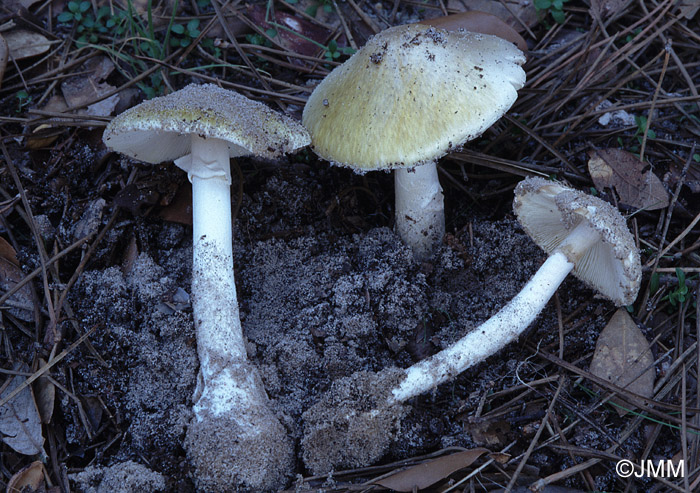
318 304
229 457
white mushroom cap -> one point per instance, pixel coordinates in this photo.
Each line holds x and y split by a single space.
410 95
155 130
548 211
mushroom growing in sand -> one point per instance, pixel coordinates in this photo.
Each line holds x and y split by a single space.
409 96
580 233
235 440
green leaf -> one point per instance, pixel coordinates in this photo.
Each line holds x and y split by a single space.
543 4
178 28
559 16
696 158
65 16
328 8
193 25
271 32
651 134
332 45
654 283
557 4
84 6
73 6
312 9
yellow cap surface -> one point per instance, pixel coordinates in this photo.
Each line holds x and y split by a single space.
410 95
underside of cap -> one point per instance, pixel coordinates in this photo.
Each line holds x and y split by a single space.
548 211
410 95
157 130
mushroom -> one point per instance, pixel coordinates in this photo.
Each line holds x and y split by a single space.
235 439
409 96
580 233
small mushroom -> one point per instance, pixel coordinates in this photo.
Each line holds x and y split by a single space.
409 96
581 233
235 439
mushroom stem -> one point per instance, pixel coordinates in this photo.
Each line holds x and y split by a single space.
505 326
488 338
420 208
231 408
213 285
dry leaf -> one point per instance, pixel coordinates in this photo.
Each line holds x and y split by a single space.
430 472
516 13
478 22
490 433
79 91
45 396
296 34
20 424
180 208
632 179
30 477
25 44
622 357
21 302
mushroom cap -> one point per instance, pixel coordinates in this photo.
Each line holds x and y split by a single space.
548 211
410 95
155 130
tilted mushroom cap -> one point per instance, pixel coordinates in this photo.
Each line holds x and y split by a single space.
154 130
548 211
410 95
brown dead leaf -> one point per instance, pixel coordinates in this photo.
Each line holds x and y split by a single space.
79 91
516 13
489 433
623 357
179 210
632 179
45 393
20 424
430 472
24 44
296 33
21 302
7 252
29 478
478 22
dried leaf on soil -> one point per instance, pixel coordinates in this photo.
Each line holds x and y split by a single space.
30 477
45 396
430 472
21 302
25 44
20 423
515 12
623 357
295 33
478 22
632 179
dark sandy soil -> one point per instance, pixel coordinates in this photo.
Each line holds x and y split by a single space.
318 303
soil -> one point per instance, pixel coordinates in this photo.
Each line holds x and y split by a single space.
318 304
